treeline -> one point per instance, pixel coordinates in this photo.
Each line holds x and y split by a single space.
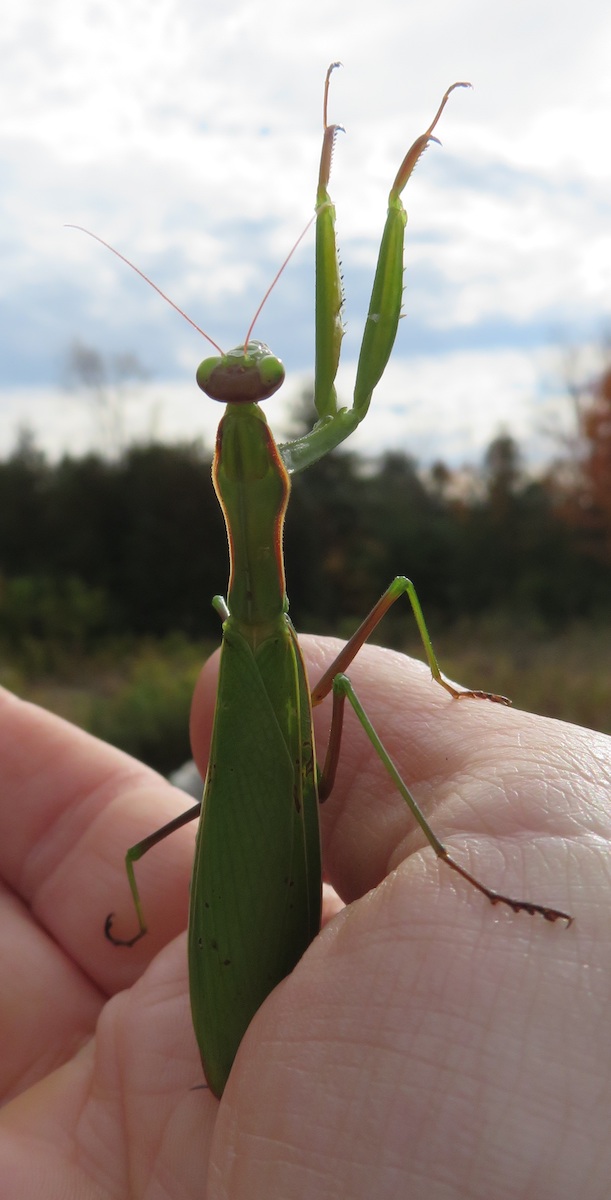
92 548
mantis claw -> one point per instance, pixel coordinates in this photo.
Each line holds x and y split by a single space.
120 941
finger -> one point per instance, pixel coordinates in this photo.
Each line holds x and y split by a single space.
128 1115
407 997
461 761
69 807
202 711
492 773
417 1043
38 978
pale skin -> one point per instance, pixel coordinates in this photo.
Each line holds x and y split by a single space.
427 1045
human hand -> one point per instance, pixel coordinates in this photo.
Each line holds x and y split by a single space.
427 1045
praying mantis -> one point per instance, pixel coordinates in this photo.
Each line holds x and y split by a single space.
255 900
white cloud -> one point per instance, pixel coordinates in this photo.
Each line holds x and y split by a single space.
443 407
188 135
451 406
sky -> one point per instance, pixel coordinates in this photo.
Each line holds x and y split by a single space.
188 136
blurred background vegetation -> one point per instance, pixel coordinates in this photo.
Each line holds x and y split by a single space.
108 564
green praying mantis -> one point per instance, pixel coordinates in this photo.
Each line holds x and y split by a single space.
255 901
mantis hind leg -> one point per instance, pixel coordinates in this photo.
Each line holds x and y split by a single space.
342 691
336 681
